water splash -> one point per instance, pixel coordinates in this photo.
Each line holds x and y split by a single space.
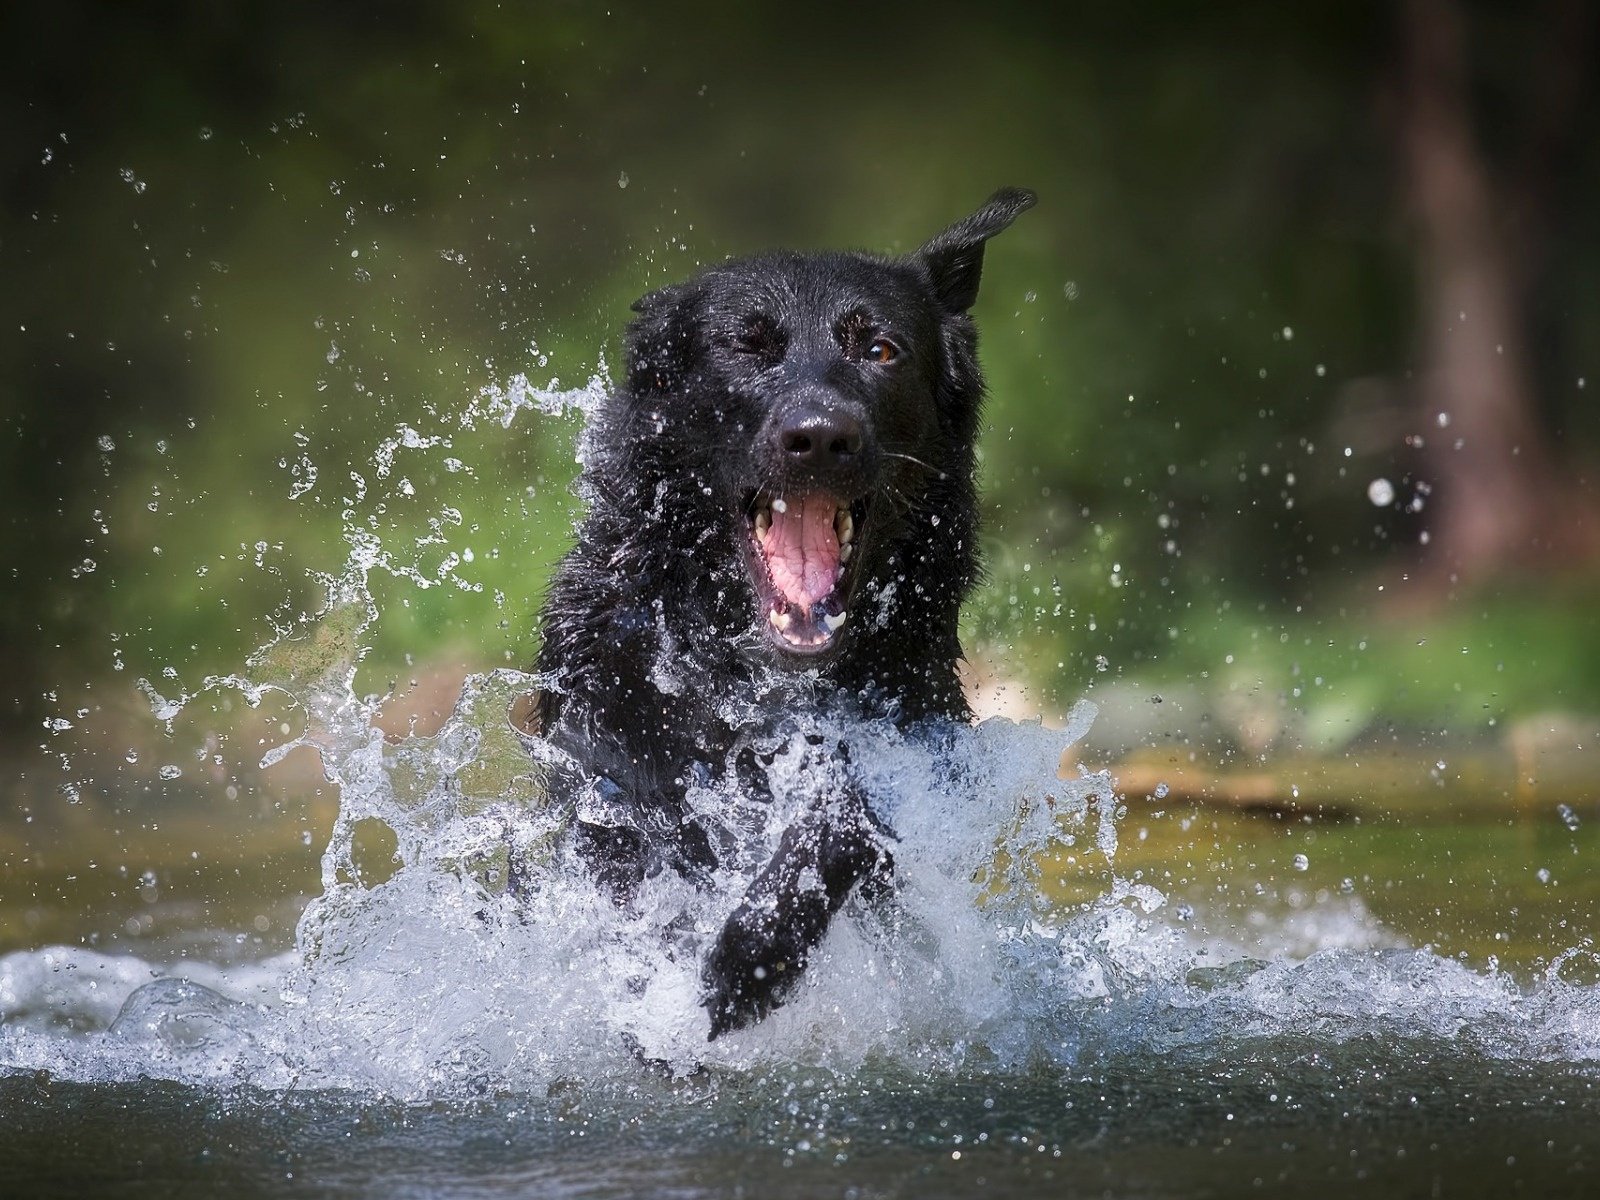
420 971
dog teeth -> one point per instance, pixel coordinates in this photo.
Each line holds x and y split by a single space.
781 620
845 550
763 524
835 621
845 526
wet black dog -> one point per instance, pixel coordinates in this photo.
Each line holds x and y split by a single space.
783 514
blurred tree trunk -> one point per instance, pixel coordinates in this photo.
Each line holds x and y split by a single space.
1504 497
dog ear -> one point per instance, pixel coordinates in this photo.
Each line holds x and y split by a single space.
660 340
954 258
656 300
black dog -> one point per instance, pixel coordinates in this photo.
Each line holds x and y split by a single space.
783 512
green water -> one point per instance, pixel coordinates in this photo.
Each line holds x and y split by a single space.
1468 886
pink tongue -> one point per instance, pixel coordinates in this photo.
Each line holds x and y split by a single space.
802 550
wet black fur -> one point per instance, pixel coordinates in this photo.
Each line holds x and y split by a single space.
652 632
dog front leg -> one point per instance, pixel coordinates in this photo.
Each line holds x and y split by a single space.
759 956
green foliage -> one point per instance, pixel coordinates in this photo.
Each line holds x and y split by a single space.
333 226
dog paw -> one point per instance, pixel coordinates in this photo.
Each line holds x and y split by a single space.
742 977
757 961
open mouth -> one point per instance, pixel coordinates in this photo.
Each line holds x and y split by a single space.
802 547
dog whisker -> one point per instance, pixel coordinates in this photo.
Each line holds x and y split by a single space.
911 459
905 504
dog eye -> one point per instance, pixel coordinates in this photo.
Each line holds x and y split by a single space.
761 338
883 350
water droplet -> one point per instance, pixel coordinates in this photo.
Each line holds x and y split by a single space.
170 772
1568 817
1381 492
1302 863
622 180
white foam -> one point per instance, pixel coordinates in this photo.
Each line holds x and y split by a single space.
427 978
435 982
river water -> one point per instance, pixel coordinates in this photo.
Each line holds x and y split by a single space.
1163 1001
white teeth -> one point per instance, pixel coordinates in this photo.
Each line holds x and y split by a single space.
834 622
778 506
780 620
845 550
763 524
845 526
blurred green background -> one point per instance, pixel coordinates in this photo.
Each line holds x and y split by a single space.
1291 438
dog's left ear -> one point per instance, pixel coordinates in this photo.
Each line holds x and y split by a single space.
954 258
660 340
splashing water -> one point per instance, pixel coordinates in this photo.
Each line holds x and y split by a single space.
422 972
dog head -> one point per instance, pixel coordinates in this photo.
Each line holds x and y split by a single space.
803 425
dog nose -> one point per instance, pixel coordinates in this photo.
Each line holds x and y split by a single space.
819 438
